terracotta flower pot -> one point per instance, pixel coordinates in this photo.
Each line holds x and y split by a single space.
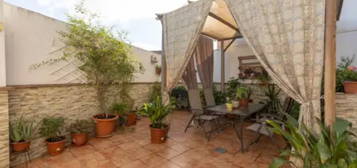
57 147
79 139
131 119
243 103
104 127
158 135
20 146
350 87
158 70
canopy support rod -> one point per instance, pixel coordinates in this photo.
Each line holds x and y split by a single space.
223 21
330 62
222 67
225 49
208 35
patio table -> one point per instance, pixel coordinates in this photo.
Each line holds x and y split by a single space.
241 115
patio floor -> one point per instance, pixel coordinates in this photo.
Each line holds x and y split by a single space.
131 148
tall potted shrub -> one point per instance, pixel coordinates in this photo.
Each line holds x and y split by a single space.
21 133
157 112
104 58
52 129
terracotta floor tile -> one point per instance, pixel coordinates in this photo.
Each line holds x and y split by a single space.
131 148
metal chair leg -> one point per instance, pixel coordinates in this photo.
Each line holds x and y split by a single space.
189 122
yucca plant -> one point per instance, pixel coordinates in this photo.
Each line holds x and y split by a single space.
156 111
21 130
332 148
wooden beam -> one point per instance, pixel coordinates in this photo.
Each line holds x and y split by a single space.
222 67
330 62
211 36
339 5
223 21
225 49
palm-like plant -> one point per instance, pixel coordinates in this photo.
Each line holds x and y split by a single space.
332 148
156 111
51 128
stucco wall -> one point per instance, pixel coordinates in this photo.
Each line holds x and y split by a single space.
32 38
72 102
4 129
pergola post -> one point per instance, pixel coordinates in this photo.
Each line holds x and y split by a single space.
330 62
222 67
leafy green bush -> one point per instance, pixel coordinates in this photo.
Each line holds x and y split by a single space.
81 126
156 111
331 149
231 90
155 91
219 96
273 102
52 128
180 95
120 109
21 130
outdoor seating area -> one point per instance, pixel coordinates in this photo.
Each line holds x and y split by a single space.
235 84
131 148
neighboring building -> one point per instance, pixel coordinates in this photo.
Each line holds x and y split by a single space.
31 37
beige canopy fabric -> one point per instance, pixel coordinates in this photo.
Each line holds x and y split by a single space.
287 36
190 79
181 31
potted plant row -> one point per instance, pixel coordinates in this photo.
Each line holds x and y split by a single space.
21 134
52 129
156 111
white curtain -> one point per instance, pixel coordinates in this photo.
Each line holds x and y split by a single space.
181 30
287 36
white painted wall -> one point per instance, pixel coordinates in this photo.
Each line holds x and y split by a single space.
2 48
346 45
32 38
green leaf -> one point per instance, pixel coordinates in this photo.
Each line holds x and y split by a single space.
324 150
277 162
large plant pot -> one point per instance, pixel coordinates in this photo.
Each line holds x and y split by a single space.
158 135
243 103
131 119
104 127
20 146
79 139
56 147
350 87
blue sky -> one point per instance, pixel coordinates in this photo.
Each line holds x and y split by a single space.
136 17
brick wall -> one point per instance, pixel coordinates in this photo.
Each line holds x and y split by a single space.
71 102
346 108
4 129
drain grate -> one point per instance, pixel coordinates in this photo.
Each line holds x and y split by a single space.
220 150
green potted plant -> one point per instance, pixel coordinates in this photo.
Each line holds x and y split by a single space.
346 76
52 129
21 133
243 95
79 131
157 112
126 115
332 147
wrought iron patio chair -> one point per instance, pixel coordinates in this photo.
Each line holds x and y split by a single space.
203 119
261 126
